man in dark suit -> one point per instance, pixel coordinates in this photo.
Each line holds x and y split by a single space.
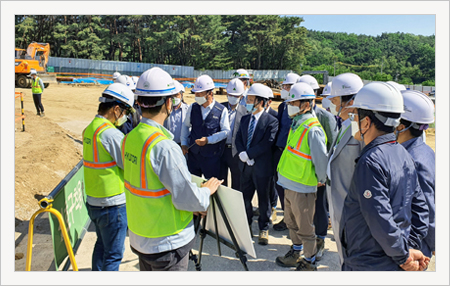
235 89
254 141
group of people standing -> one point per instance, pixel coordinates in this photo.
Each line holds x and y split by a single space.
346 162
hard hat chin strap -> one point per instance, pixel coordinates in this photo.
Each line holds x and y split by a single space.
158 103
419 126
388 121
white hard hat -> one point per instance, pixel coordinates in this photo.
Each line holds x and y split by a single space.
242 74
291 78
126 80
116 75
379 96
120 92
203 82
301 91
258 89
345 84
327 89
397 85
309 79
178 86
235 87
33 72
155 82
269 92
418 107
326 103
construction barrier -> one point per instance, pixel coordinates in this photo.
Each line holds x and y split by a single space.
67 207
22 116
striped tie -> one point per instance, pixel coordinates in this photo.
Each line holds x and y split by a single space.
250 131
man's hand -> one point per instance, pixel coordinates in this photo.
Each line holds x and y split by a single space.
212 184
320 185
243 156
202 141
433 253
202 214
250 162
416 261
185 149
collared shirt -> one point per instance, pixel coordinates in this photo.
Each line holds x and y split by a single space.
244 98
316 141
345 125
231 118
111 139
216 137
176 123
256 118
169 165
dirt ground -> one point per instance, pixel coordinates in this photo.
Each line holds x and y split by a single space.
51 145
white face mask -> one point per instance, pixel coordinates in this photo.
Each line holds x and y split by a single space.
176 101
121 120
284 94
293 110
354 127
200 99
333 109
233 100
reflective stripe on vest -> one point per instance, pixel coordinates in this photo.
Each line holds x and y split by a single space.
296 162
103 178
147 199
36 87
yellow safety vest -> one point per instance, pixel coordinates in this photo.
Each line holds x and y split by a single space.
295 162
36 87
102 177
150 211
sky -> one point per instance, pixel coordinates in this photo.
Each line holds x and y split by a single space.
372 25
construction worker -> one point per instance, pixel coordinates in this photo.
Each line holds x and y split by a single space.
37 88
254 141
302 167
419 113
133 119
378 215
160 196
344 151
235 89
209 126
115 76
284 122
244 76
325 93
329 124
175 121
103 176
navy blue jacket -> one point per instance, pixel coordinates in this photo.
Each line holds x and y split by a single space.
424 160
377 215
261 144
284 122
206 128
132 120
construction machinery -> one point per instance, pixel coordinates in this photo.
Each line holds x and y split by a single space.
34 57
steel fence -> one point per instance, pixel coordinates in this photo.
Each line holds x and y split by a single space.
421 88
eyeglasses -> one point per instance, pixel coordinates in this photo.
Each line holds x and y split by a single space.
352 116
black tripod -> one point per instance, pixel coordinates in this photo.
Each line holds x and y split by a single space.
203 232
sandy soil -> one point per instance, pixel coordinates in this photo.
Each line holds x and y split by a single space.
51 145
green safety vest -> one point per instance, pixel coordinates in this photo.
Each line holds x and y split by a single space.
36 87
295 162
102 177
150 211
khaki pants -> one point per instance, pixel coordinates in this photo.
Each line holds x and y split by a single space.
299 211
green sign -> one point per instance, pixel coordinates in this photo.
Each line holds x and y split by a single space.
50 69
70 202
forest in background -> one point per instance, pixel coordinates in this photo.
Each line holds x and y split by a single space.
232 41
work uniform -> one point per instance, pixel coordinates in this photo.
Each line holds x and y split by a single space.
160 198
424 160
229 158
104 186
133 120
37 88
329 125
174 122
375 230
302 166
211 122
256 136
341 165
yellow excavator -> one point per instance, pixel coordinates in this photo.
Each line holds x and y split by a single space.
34 57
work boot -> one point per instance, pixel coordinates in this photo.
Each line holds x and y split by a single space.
263 237
42 114
290 259
273 217
280 226
320 246
38 114
304 265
